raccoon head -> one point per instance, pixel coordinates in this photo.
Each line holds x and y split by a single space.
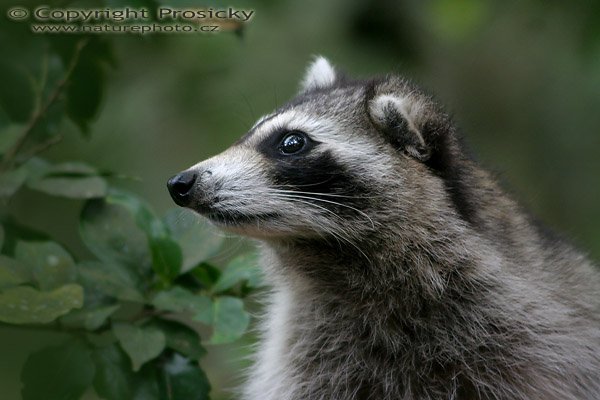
343 159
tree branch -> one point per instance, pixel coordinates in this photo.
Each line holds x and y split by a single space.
12 153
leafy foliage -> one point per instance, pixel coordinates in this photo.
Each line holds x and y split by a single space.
131 310
26 305
142 344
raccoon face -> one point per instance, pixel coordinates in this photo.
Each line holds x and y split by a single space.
328 164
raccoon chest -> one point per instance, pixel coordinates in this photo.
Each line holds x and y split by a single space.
302 357
272 377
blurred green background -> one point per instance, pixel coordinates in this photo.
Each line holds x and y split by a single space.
522 79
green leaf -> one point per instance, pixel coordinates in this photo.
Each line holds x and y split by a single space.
110 232
165 252
199 241
230 320
25 305
53 69
206 274
114 379
58 373
1 237
141 344
84 93
181 338
71 168
96 48
143 215
182 379
36 167
111 279
71 179
8 277
90 319
50 263
87 187
16 267
206 314
11 181
242 268
181 300
16 93
145 386
166 258
86 84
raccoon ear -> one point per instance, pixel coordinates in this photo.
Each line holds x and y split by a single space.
320 74
397 119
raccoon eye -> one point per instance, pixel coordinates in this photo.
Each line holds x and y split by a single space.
292 143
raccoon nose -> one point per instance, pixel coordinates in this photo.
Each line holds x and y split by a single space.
180 187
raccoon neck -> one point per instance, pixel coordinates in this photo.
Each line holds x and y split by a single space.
412 312
401 276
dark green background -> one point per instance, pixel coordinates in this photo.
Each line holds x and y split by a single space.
522 79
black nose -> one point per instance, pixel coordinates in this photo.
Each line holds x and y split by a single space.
180 187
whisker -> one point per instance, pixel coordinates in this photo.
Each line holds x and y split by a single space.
323 227
308 184
306 202
325 194
331 202
333 233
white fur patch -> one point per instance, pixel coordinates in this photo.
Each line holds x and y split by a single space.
270 378
318 129
320 74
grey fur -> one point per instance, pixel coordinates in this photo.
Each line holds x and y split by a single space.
428 283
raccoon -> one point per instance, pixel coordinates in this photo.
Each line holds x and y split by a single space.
399 268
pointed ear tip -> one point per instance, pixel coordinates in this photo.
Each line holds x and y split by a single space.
321 58
320 73
320 62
